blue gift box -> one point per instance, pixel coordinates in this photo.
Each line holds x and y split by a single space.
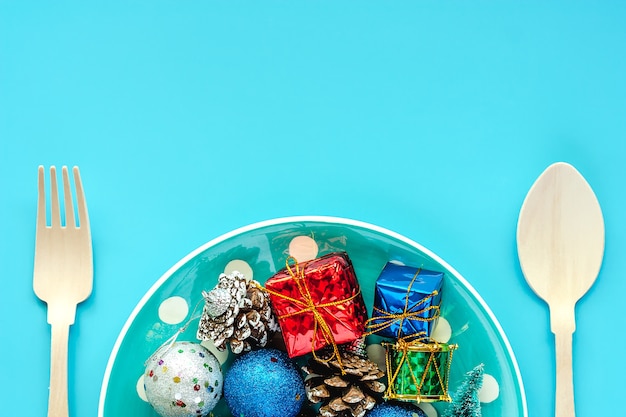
406 301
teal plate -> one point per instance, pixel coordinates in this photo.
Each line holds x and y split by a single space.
260 250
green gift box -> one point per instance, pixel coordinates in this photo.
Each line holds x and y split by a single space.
418 371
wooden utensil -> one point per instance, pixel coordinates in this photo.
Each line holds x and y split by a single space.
560 244
63 274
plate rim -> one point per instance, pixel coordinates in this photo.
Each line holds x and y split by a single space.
295 219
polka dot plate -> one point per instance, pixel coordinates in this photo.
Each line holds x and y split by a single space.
260 250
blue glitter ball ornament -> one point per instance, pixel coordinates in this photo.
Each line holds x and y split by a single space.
264 383
396 410
183 380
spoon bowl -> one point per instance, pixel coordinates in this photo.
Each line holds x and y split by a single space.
560 244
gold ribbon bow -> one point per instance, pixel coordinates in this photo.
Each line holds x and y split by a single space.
387 319
308 305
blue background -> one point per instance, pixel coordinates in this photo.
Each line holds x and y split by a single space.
190 119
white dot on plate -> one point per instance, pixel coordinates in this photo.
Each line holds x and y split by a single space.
141 389
173 310
376 353
221 356
428 409
303 248
490 389
442 331
241 266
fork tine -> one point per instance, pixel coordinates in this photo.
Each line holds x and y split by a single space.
83 217
67 198
55 213
41 199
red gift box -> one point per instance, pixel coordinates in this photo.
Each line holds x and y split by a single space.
318 303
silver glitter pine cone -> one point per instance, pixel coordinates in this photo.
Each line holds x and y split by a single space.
350 395
237 312
217 301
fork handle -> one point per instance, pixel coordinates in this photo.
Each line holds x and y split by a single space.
58 398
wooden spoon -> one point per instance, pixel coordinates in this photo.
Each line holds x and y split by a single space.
560 244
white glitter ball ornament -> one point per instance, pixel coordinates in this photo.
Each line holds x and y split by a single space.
183 380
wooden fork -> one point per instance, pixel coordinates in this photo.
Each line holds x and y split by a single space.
63 273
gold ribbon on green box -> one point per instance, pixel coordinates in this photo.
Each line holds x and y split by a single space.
418 370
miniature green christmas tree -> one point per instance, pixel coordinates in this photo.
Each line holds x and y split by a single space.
465 402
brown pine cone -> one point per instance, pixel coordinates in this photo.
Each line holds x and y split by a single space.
255 323
237 312
349 395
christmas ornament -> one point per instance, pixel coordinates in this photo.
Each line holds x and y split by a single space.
264 383
318 303
390 409
418 370
183 379
406 301
217 302
238 312
348 394
465 401
357 347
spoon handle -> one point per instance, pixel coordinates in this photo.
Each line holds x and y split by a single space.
563 330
